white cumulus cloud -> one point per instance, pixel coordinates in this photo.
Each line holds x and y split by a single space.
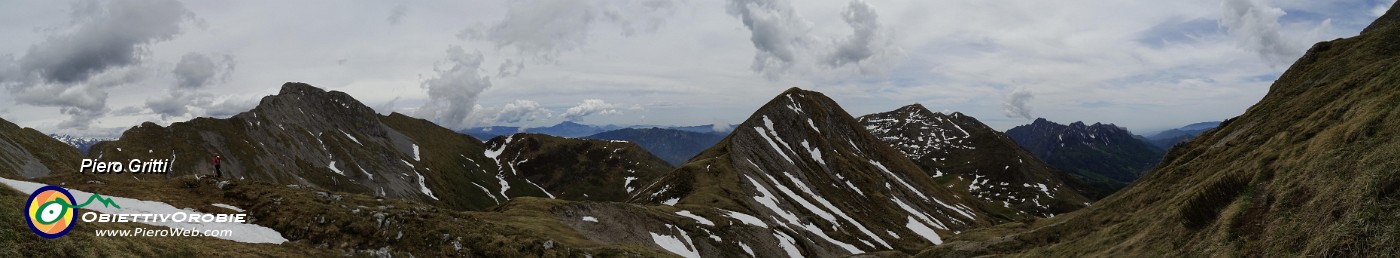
105 46
590 107
517 112
1256 26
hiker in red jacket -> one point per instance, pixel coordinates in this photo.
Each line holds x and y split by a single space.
217 172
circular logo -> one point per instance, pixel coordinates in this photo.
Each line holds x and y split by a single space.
50 211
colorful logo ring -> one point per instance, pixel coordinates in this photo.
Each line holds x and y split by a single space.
50 211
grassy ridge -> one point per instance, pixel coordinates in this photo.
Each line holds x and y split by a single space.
1311 170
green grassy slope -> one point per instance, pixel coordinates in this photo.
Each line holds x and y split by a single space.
1313 169
27 152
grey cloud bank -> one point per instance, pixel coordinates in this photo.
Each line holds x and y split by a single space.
74 67
538 62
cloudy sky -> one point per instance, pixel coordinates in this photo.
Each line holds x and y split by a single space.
93 68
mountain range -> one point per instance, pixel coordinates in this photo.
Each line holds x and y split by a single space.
802 178
83 144
673 145
1166 139
576 130
1104 156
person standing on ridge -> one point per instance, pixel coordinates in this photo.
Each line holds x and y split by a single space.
217 172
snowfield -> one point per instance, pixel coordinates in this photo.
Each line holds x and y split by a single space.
676 245
352 138
423 186
697 218
333 168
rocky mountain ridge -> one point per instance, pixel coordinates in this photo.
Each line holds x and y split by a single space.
967 155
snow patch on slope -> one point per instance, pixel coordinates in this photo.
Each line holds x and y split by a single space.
488 192
628 183
898 179
333 168
546 192
764 131
352 138
924 231
746 219
225 206
770 200
816 153
423 187
702 220
672 244
788 244
827 204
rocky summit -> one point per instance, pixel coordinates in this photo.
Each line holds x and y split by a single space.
308 136
968 156
808 180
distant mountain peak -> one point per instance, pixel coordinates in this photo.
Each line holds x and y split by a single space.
1308 170
916 107
970 156
1096 153
801 162
308 106
83 144
793 90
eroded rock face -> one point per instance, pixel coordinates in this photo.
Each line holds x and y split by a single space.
968 156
